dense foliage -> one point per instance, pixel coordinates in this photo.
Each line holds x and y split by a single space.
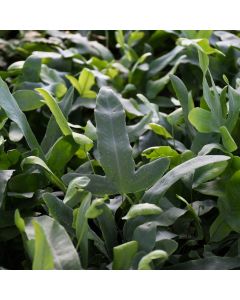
119 150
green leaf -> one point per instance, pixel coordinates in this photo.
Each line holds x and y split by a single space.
89 94
145 262
115 150
74 82
219 230
84 84
140 60
90 131
201 44
160 130
209 263
86 81
108 228
95 208
131 107
53 132
204 34
206 149
43 256
135 131
11 108
148 174
31 69
152 107
182 95
163 184
176 117
5 175
145 235
19 221
120 38
213 101
49 75
208 172
59 211
155 87
82 229
97 185
85 144
113 143
205 46
162 151
74 190
202 120
142 210
64 254
15 134
229 204
194 215
170 246
34 181
234 107
98 242
157 65
225 79
33 160
134 37
57 159
227 140
56 111
123 255
203 61
28 100
170 216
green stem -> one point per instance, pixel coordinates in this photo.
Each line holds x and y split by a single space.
129 199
